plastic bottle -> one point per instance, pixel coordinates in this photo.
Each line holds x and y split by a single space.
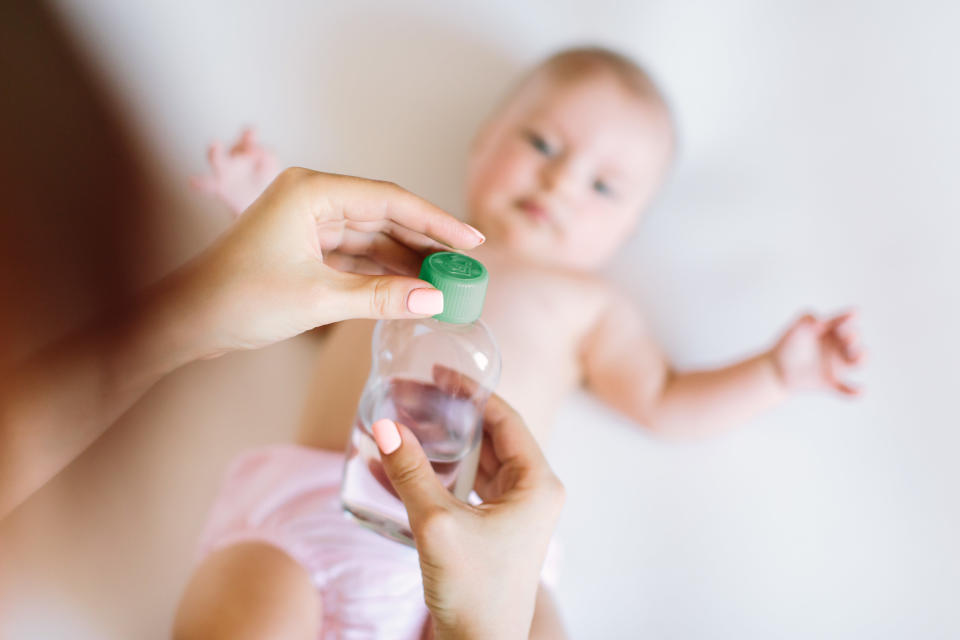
433 375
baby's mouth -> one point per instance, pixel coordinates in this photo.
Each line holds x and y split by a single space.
534 210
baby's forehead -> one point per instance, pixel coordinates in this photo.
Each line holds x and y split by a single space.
598 113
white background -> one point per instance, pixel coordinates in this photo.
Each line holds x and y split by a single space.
819 154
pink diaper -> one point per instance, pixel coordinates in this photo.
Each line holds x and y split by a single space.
288 496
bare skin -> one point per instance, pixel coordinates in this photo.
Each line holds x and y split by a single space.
557 180
249 590
255 590
265 280
536 374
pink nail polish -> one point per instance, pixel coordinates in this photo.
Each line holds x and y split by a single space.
387 435
428 302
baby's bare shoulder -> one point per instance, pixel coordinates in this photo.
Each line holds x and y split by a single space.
586 296
592 287
589 291
604 304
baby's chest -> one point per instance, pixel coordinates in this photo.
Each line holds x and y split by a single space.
539 329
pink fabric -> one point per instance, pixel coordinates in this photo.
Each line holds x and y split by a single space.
288 496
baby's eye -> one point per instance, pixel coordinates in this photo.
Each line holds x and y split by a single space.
539 143
602 188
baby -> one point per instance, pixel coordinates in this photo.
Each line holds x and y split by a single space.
557 179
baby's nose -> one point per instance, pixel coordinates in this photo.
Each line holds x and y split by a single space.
559 176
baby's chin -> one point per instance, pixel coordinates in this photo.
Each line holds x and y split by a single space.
536 243
517 236
544 251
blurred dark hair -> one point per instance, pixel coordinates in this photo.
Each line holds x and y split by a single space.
72 203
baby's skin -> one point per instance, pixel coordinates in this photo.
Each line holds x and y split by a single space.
557 180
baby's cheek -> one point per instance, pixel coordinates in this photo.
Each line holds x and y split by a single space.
515 166
595 240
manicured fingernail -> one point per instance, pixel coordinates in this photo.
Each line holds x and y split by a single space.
387 435
479 235
428 302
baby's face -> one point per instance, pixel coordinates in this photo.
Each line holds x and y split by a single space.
562 175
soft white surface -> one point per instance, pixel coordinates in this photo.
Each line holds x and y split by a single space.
818 170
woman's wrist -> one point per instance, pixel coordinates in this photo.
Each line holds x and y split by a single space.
467 632
167 330
485 623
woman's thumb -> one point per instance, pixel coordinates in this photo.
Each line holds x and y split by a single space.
390 297
409 470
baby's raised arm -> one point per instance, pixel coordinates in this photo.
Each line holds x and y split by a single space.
626 369
239 175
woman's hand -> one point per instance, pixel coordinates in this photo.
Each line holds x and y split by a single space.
268 278
315 248
481 564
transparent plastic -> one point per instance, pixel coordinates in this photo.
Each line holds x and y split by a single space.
410 382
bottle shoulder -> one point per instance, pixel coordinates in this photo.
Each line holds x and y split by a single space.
428 335
476 331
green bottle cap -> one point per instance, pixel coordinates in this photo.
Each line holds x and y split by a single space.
463 282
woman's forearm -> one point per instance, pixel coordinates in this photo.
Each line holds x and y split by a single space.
58 402
261 282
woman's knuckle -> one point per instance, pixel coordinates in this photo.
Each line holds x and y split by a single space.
407 475
437 523
382 299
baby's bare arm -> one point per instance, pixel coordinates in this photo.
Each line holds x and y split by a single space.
699 403
625 368
623 365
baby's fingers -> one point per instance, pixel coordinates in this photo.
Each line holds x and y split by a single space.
834 370
842 324
247 141
804 322
216 156
204 184
847 389
854 354
847 338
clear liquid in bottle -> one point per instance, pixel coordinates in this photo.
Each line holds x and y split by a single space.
404 386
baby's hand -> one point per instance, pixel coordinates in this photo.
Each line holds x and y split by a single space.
817 354
240 175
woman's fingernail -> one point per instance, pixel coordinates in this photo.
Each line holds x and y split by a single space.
387 435
428 302
479 235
